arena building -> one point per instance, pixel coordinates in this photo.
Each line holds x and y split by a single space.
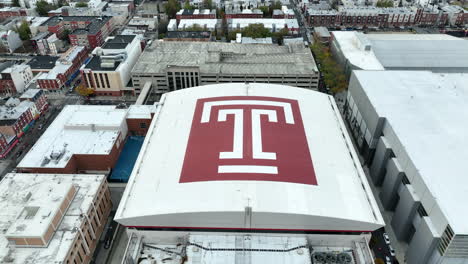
248 173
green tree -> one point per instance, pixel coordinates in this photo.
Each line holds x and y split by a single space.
280 34
188 6
273 6
208 4
384 3
265 10
333 74
81 4
65 34
24 31
42 7
172 7
15 3
256 31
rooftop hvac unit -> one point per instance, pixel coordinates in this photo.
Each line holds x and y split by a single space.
331 258
319 257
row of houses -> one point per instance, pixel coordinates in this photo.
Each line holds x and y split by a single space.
17 115
359 16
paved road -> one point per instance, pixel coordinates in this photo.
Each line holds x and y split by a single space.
305 31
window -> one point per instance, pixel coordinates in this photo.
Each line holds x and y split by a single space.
107 80
142 125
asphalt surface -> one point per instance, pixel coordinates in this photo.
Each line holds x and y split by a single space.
305 32
380 248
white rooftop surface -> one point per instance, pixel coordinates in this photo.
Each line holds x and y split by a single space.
208 23
278 23
140 111
47 191
30 93
342 200
426 111
352 49
78 129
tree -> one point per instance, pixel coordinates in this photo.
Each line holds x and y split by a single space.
83 90
172 7
24 31
379 261
42 7
384 3
81 4
208 4
333 74
256 31
280 34
265 10
162 27
195 27
188 6
16 3
65 34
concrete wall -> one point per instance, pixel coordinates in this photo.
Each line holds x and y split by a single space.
383 153
405 211
423 244
391 182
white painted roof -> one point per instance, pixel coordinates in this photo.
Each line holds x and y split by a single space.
208 23
352 49
269 23
78 129
45 191
342 200
427 112
140 111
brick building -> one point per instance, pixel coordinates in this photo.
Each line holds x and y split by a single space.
65 68
14 77
12 12
359 17
83 139
246 13
284 12
37 96
15 117
139 118
88 31
41 63
456 15
50 218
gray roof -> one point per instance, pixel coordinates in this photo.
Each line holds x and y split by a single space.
229 58
426 54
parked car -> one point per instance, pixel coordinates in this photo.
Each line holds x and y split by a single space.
388 260
386 238
392 251
40 127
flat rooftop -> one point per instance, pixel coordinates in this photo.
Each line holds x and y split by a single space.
78 129
436 52
42 62
189 34
30 93
19 193
425 110
229 58
95 23
176 180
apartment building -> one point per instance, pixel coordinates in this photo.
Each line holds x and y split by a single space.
108 72
170 65
273 24
457 15
46 43
51 218
246 13
88 31
12 12
14 78
196 14
65 68
15 117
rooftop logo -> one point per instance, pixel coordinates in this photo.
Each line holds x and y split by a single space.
247 138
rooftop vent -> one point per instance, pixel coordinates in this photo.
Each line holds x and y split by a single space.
29 212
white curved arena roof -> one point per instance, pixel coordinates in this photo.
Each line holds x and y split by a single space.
248 157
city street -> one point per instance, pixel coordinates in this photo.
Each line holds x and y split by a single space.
305 31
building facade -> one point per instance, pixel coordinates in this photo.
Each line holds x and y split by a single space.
88 31
169 66
15 117
109 70
394 116
14 78
66 68
62 217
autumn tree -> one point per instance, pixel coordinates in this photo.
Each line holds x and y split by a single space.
333 74
42 7
84 91
279 35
